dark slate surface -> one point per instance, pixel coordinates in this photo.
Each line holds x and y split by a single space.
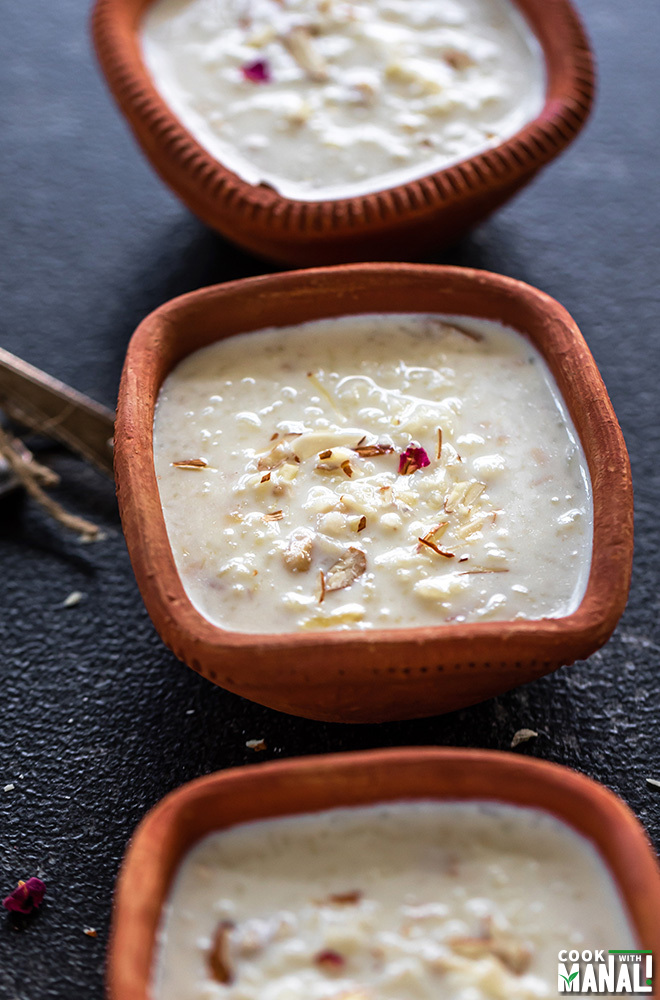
98 719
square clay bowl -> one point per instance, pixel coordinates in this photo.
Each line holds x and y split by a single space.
400 222
312 784
375 674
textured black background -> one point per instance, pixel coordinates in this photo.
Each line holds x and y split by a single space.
97 719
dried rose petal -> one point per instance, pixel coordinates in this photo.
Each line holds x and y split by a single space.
257 72
26 897
412 459
329 959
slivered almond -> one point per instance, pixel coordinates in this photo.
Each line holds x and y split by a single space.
274 515
473 493
455 496
469 572
191 463
345 898
371 450
476 524
218 957
431 545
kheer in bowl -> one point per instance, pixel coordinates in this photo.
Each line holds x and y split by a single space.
319 131
372 492
388 875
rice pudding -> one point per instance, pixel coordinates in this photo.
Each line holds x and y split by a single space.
323 99
399 901
372 471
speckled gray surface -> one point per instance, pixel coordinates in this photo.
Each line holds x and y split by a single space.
98 719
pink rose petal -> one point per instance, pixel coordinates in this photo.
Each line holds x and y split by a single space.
412 459
257 72
26 897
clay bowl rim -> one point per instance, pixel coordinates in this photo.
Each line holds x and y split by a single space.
209 188
158 344
311 784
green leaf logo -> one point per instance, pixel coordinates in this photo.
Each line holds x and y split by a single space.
569 979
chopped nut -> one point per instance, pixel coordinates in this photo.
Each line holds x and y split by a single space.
277 456
345 898
362 523
457 59
275 515
347 468
431 545
75 597
473 493
439 445
371 450
351 565
480 569
298 42
455 497
256 745
191 463
513 954
90 932
298 553
218 958
522 736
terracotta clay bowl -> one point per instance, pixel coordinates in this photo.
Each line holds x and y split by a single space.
397 223
311 784
376 674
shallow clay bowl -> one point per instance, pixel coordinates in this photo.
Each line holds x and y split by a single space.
400 222
310 784
376 674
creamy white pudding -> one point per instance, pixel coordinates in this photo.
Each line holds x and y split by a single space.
372 471
325 99
400 901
